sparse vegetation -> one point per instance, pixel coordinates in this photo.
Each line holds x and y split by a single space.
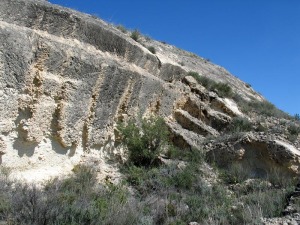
121 28
240 124
62 99
152 49
195 75
135 35
147 38
262 108
248 85
206 60
176 192
293 132
222 89
74 200
260 197
234 173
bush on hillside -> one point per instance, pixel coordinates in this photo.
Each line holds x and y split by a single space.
152 49
144 142
78 199
222 89
135 35
240 124
294 130
261 107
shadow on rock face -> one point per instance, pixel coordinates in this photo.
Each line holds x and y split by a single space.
24 148
59 149
258 173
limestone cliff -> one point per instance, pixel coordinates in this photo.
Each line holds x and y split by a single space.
67 78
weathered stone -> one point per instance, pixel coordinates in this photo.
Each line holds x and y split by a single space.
193 124
67 79
257 152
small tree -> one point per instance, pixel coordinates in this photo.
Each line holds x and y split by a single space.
144 142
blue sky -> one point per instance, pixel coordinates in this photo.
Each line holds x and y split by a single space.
256 40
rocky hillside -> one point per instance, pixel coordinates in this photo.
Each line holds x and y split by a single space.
68 79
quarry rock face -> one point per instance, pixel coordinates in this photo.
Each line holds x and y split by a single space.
68 78
258 153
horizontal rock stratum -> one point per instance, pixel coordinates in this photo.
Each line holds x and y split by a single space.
67 78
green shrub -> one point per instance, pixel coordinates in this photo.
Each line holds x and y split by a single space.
268 203
147 181
240 124
222 89
293 132
235 173
195 75
212 204
164 178
188 155
293 129
297 117
135 35
152 49
144 142
280 179
70 201
185 178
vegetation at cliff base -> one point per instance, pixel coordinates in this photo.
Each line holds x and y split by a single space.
162 184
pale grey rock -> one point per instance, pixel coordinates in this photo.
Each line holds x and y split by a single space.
67 79
69 76
260 153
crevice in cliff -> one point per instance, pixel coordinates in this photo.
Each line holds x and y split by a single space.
29 102
35 88
88 121
23 144
202 112
192 124
122 109
85 136
198 111
55 126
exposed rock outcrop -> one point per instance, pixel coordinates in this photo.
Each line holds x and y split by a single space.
67 78
260 153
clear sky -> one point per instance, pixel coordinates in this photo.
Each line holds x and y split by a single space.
256 40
